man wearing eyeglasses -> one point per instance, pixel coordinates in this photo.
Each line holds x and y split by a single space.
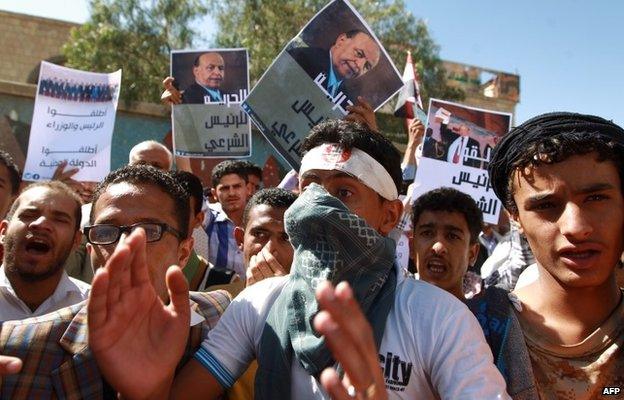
138 207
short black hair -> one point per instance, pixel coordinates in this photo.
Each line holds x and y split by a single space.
552 138
14 172
227 167
451 200
251 168
193 186
354 32
272 197
148 175
349 134
55 186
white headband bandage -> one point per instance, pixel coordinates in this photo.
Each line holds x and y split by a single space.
355 162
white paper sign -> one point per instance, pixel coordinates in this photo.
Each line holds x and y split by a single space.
73 121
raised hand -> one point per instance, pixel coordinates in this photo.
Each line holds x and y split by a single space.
137 340
363 112
171 95
350 339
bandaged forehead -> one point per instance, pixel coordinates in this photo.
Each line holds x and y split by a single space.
355 162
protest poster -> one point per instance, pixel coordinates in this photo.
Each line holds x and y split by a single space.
456 151
334 59
73 121
210 122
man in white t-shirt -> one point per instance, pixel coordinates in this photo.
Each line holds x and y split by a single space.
430 345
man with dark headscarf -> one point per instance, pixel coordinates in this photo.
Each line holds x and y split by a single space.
560 177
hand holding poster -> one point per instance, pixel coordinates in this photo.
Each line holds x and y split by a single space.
333 60
73 121
210 121
456 151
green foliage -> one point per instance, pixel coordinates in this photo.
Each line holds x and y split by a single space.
137 36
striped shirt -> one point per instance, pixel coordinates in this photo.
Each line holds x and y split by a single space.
223 252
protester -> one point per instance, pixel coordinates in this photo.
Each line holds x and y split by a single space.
152 153
436 345
413 150
40 230
254 177
229 188
57 360
446 225
267 251
560 177
10 179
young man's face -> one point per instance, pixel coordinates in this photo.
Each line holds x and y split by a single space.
361 200
572 214
127 204
231 192
442 249
265 228
353 57
41 233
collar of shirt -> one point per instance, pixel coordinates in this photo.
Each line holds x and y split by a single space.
213 93
332 80
65 287
219 214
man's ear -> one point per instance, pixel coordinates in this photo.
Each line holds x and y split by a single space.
213 193
77 239
514 218
184 251
393 209
4 224
239 235
473 253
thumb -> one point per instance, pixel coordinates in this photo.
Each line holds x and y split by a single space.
178 292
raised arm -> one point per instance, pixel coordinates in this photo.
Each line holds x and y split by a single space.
136 339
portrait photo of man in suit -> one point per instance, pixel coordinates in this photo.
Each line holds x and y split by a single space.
209 73
352 55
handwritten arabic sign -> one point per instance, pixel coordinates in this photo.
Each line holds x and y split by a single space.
457 149
210 121
333 60
73 121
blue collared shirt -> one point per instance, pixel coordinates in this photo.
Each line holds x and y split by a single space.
223 252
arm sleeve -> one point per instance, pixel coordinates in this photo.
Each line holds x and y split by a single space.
229 348
461 362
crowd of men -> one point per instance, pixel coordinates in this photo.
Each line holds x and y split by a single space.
244 292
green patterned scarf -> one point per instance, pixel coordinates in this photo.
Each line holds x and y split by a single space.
332 244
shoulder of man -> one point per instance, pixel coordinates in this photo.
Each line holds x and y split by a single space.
210 305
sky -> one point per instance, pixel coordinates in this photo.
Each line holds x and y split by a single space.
569 53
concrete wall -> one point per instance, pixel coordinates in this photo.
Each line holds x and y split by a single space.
25 40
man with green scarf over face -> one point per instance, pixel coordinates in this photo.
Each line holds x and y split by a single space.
429 344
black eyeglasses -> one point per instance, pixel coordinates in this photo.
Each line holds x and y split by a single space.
108 234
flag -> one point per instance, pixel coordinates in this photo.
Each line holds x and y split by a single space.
409 104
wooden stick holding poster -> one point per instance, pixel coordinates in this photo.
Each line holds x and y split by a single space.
73 121
210 121
334 59
456 151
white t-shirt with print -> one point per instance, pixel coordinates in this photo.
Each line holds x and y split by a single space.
432 346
